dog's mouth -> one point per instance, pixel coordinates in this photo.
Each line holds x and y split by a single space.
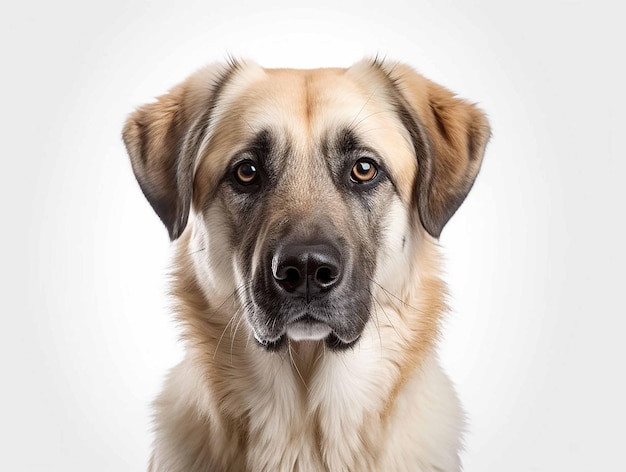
307 328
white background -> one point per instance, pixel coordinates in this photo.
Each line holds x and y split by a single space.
535 256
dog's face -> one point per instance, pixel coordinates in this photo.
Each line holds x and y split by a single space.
309 188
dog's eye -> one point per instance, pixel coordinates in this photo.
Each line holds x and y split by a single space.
246 173
363 171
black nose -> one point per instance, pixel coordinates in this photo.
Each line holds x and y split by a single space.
305 270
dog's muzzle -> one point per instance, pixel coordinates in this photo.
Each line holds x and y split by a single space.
305 291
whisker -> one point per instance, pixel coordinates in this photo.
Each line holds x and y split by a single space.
248 124
293 363
224 332
364 105
280 365
377 323
234 335
196 251
235 292
389 294
321 353
248 341
379 112
216 311
386 315
379 128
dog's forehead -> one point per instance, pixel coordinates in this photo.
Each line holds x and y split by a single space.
308 103
309 108
311 105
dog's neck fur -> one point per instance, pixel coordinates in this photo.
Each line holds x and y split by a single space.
305 408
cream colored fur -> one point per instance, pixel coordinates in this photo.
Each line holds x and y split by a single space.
384 405
317 410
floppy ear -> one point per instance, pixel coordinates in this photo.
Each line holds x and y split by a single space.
449 136
163 139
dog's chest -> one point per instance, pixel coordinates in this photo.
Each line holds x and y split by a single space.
336 417
323 418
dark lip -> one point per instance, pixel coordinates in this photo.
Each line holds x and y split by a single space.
332 342
336 344
274 346
309 315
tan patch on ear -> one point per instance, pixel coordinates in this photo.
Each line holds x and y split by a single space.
457 134
162 138
151 136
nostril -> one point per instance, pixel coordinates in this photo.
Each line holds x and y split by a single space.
291 275
325 276
288 277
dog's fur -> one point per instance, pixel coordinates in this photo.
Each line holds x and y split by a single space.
357 387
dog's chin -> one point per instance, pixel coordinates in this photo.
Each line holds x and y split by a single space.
307 330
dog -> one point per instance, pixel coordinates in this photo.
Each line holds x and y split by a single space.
306 206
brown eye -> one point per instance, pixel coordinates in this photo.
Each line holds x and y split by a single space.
363 171
246 173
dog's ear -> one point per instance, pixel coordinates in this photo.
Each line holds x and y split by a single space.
163 139
449 136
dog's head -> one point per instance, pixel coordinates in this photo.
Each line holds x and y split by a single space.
308 188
